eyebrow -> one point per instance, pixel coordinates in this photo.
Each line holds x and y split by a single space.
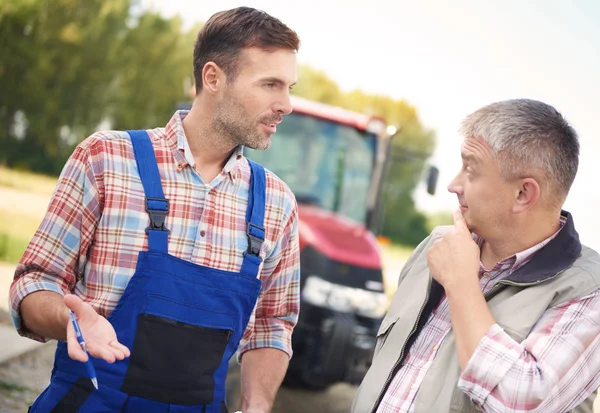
276 80
469 158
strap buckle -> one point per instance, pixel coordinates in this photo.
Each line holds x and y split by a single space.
157 214
256 237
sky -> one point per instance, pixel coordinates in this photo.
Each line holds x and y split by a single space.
448 58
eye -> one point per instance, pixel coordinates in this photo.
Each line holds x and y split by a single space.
270 85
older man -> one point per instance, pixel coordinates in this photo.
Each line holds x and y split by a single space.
500 312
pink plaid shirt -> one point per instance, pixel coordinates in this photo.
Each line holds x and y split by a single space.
553 370
94 228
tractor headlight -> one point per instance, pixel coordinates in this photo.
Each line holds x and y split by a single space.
337 297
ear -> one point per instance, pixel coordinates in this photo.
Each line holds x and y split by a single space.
528 194
212 78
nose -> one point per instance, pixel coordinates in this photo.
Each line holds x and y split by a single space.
284 104
455 186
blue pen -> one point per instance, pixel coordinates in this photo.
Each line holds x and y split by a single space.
88 364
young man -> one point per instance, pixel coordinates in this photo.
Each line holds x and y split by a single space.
171 248
500 312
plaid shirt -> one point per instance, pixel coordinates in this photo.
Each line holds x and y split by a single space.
553 370
94 228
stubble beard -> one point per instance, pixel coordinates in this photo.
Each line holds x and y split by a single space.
232 124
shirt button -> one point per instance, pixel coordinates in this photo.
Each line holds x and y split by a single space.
202 233
435 347
486 274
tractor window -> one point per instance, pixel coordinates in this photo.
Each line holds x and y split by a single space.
360 155
324 163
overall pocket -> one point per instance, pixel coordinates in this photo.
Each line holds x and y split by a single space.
174 360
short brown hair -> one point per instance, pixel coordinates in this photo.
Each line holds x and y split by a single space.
227 32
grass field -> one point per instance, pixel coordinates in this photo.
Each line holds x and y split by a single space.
16 226
15 232
398 252
27 181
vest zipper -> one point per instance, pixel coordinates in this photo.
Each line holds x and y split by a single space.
393 372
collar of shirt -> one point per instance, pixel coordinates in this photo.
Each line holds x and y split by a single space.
183 154
514 262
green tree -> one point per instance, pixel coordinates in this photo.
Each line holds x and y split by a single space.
315 85
58 86
156 72
68 66
410 149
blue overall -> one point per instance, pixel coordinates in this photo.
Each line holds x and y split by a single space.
182 321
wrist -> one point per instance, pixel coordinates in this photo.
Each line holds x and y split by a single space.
63 317
255 405
255 408
462 287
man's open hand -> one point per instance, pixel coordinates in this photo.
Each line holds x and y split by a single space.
98 333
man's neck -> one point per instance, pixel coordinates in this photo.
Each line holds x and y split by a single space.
524 235
210 151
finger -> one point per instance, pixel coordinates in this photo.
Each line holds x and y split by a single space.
102 352
117 352
115 344
75 304
80 308
459 221
431 251
73 347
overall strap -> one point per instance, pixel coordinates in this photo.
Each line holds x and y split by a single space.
255 217
156 204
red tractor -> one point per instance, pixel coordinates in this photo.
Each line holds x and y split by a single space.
334 160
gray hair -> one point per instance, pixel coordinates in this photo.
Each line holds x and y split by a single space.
528 139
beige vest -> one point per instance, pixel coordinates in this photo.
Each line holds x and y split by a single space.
516 308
